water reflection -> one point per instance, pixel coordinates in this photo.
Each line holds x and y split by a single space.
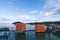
11 36
51 36
40 36
31 35
57 34
48 36
20 37
3 37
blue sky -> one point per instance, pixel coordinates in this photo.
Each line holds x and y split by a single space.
29 10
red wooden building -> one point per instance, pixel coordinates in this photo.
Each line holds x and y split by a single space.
40 28
20 27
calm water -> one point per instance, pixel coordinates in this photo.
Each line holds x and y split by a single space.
31 35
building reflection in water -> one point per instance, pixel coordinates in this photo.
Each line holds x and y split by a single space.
30 35
40 36
20 37
56 34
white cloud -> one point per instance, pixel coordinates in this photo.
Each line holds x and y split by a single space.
49 4
24 16
52 4
51 7
5 20
41 12
34 11
48 14
27 18
49 19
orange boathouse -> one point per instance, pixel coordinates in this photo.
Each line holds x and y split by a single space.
20 27
40 28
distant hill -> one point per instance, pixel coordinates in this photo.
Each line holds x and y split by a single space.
16 22
50 22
